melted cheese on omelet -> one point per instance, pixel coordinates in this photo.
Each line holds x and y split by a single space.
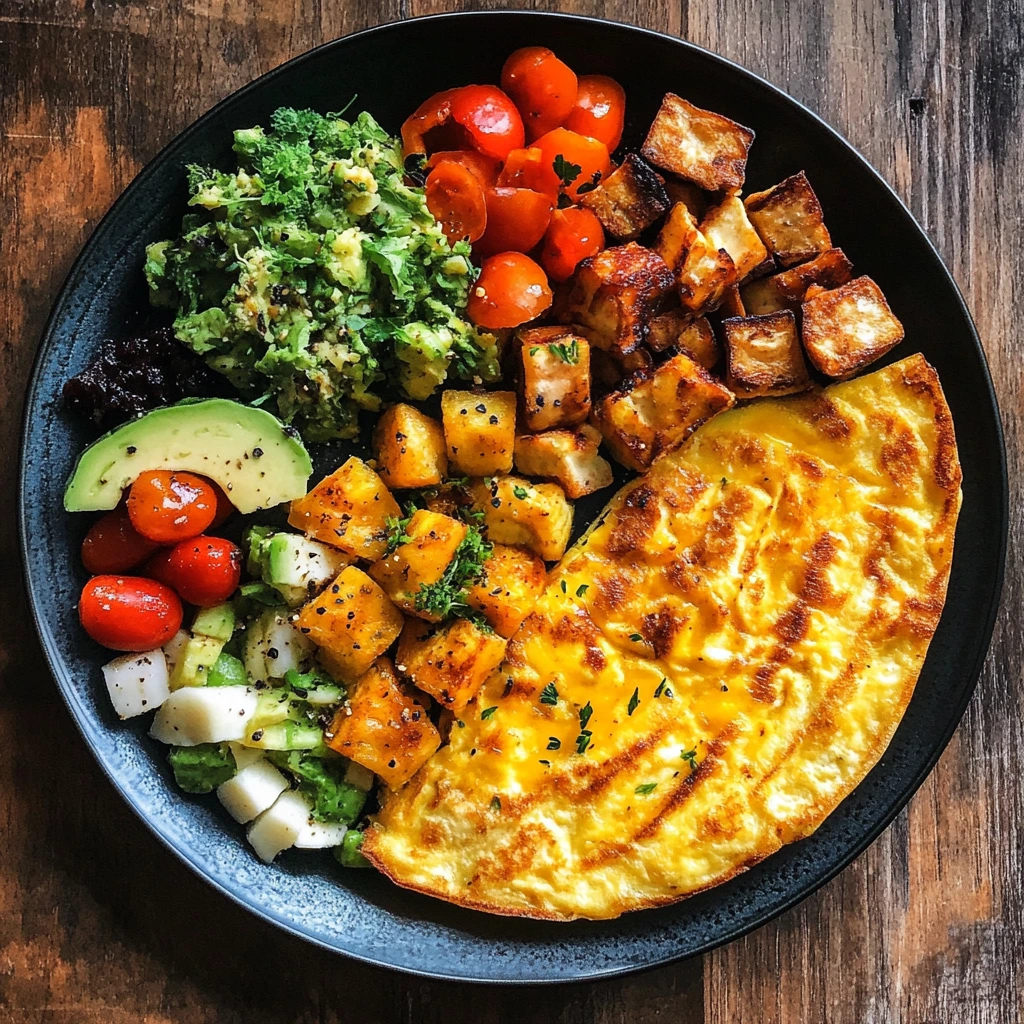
712 668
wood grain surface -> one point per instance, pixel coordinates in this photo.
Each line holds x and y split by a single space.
98 923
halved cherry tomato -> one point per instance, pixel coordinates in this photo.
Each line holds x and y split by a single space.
600 110
490 118
589 155
456 198
225 509
527 168
204 570
430 114
484 167
510 290
129 613
114 545
572 236
167 507
516 220
542 87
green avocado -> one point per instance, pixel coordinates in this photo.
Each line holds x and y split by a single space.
256 459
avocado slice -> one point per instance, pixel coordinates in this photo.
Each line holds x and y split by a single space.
256 459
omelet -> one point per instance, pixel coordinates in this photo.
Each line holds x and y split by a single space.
712 668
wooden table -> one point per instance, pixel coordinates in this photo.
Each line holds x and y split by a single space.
99 923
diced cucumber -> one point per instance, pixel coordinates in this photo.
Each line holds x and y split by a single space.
348 855
273 646
137 683
291 560
314 687
174 647
217 622
227 670
200 655
255 537
204 714
252 790
286 735
244 756
278 827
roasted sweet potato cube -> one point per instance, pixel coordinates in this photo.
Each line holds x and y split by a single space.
829 270
676 237
480 431
849 327
681 330
353 620
568 456
516 511
655 413
450 663
513 580
699 145
409 448
383 727
348 510
726 227
764 355
789 220
554 378
629 200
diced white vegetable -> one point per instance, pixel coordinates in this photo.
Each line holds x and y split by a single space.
174 648
137 683
319 835
360 777
277 828
273 646
204 714
252 790
244 756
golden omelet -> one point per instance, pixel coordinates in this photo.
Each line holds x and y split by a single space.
712 668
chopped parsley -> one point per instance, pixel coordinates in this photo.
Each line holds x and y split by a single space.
663 689
519 492
585 712
567 353
487 713
690 757
446 598
636 638
582 589
495 803
564 587
549 695
646 788
460 723
396 532
634 701
583 741
567 172
554 743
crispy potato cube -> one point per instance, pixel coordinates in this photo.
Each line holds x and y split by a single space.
726 227
764 355
513 580
829 270
732 303
480 431
695 199
676 237
568 456
849 327
705 277
629 200
349 510
699 145
680 330
421 560
353 620
409 448
450 663
656 412
789 220
536 516
763 296
554 378
383 728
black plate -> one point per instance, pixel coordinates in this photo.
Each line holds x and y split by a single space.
393 68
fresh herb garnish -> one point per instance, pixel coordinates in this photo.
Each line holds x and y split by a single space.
634 701
690 757
519 492
554 743
565 587
582 589
460 723
446 598
487 713
583 741
534 349
636 638
585 712
661 687
549 695
589 186
567 353
567 172
396 528
646 788
495 803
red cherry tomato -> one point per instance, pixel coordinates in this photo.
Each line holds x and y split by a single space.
431 114
600 110
490 118
114 545
224 507
527 168
511 290
129 613
572 236
167 507
484 167
456 198
588 154
516 220
542 87
204 570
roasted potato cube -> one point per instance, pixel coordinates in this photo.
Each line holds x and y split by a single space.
383 728
681 330
536 516
409 448
764 355
568 456
353 620
705 277
421 560
676 237
829 270
726 227
695 199
656 412
763 296
789 220
480 431
450 663
698 145
348 510
513 580
554 378
629 200
849 327
732 303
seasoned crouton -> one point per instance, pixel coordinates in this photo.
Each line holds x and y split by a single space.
692 335
764 356
656 412
479 430
849 327
409 448
568 456
695 199
829 270
629 200
698 145
383 728
789 220
513 580
726 227
554 378
536 516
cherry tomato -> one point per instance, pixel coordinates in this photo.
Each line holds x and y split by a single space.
484 167
224 507
167 507
600 110
456 198
129 613
542 87
580 151
527 168
573 235
490 118
516 220
204 570
432 113
114 545
511 289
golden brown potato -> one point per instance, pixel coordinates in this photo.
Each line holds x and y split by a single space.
554 378
849 327
513 580
629 200
789 220
409 448
705 277
764 355
676 237
695 199
762 296
516 511
699 145
681 330
383 728
829 270
732 303
568 456
479 430
727 227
